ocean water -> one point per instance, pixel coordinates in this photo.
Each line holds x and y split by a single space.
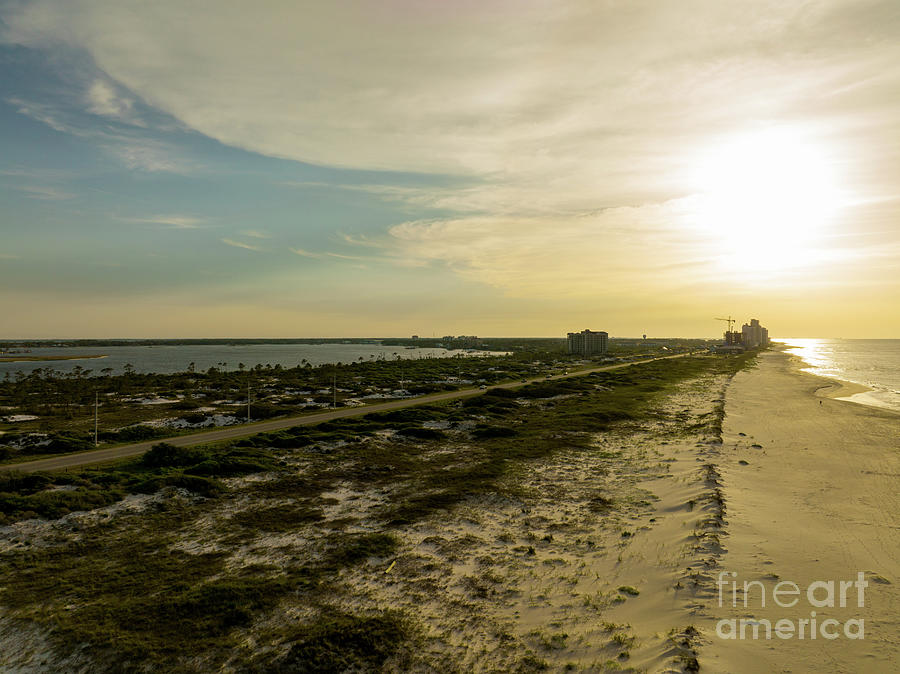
871 362
166 359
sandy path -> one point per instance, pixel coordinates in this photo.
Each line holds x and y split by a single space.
818 501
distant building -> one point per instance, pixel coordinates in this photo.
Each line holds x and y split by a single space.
415 337
588 342
754 335
734 338
461 342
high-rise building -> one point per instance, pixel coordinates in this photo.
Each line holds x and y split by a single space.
754 335
588 342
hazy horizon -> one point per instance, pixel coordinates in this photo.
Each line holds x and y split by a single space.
521 168
778 339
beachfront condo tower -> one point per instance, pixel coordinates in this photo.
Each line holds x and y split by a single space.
754 335
588 342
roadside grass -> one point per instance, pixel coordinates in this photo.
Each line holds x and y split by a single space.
54 495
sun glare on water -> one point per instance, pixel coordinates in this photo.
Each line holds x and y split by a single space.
767 199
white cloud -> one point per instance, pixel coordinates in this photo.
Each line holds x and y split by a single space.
103 99
554 106
255 234
511 88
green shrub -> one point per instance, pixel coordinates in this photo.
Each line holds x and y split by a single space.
422 433
195 417
482 431
60 443
268 411
339 642
165 455
135 433
200 485
357 548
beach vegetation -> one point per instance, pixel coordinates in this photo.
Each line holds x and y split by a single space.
146 589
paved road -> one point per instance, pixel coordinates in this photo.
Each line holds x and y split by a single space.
244 430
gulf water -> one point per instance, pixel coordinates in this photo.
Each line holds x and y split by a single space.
870 362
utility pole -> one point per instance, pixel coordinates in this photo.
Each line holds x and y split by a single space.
334 391
248 400
96 415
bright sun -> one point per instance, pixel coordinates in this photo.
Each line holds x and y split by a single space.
766 199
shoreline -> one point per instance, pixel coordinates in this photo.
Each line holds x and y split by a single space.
34 359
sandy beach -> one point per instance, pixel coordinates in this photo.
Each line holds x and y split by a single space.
816 501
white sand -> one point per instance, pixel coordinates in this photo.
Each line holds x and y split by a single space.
817 502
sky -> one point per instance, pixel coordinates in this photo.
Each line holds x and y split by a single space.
219 168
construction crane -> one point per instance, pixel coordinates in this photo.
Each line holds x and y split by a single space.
728 320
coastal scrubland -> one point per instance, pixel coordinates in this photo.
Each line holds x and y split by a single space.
503 531
46 411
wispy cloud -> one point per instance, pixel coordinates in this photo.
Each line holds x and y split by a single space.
40 174
579 255
341 256
146 154
41 112
394 255
44 193
360 240
256 234
241 244
304 253
172 221
130 146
